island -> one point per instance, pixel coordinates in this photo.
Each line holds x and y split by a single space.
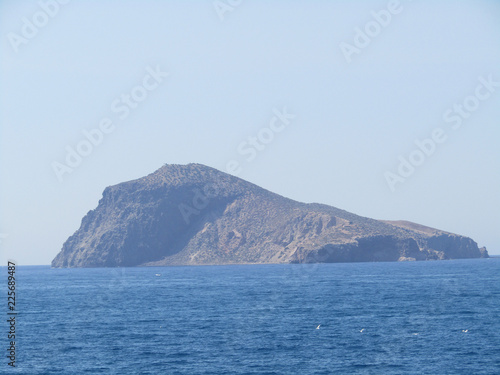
196 215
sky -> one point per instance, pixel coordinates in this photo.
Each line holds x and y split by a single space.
388 109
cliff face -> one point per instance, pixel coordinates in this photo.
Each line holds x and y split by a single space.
192 214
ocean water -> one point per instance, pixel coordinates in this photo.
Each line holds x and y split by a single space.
374 318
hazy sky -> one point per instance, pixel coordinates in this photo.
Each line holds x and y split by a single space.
357 82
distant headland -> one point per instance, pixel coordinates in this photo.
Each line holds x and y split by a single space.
196 215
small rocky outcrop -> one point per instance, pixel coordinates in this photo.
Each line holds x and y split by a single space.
193 215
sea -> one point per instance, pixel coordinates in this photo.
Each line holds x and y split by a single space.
435 317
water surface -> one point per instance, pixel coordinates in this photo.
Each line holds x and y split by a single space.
373 318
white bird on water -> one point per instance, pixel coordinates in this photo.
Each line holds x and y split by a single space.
465 330
362 330
158 274
319 325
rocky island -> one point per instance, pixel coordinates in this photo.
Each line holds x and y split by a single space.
196 215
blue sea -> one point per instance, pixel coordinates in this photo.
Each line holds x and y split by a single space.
439 317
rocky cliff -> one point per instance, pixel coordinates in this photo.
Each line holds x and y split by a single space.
193 215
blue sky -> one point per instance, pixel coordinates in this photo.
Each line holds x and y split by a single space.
230 69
